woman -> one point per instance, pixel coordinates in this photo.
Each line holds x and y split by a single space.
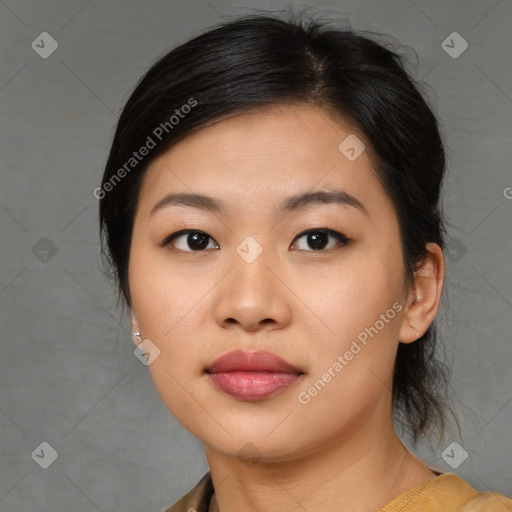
270 208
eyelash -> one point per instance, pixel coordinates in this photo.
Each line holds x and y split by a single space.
340 237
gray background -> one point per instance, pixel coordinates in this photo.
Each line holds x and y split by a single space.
68 375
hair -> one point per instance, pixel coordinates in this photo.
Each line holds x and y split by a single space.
261 60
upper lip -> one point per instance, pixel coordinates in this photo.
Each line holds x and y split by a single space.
238 360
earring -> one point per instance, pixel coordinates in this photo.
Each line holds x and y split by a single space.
138 336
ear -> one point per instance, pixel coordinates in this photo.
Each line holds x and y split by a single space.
424 297
135 328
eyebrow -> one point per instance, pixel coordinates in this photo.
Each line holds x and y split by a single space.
293 203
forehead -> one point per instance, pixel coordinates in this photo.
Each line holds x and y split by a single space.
264 154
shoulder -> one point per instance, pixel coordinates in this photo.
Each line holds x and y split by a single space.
450 493
197 499
488 502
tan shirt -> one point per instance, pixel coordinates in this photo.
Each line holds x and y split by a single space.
444 493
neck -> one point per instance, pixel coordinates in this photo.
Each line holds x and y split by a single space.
361 472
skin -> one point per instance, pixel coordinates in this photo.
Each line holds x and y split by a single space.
339 451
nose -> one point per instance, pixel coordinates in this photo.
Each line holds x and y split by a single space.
252 296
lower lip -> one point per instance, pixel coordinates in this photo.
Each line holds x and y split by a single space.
253 385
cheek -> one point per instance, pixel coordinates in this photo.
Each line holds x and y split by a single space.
353 295
161 303
353 369
166 302
162 294
360 307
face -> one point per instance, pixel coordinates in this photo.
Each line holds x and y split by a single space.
317 283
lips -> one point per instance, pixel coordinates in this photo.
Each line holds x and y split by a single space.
260 361
252 376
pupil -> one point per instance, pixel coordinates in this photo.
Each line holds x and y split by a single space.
317 240
193 238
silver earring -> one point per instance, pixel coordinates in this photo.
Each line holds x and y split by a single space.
137 336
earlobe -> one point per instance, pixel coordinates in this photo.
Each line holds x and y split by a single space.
425 297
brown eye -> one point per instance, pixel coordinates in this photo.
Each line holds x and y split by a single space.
190 241
318 239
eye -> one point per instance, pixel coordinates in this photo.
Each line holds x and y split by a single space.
190 240
318 239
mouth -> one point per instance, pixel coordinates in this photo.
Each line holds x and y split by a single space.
252 376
